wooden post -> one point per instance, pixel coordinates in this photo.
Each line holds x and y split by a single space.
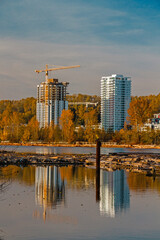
98 146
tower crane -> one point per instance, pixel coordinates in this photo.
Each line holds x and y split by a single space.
54 69
51 98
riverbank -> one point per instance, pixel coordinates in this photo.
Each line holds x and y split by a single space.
79 144
135 162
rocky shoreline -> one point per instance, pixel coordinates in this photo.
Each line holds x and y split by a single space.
135 162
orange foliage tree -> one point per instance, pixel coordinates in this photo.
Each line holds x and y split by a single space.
66 122
91 121
141 108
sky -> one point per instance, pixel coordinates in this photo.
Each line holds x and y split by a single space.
103 37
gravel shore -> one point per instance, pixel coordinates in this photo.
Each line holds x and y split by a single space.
136 162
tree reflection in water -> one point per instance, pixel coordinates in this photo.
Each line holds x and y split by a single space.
5 180
50 184
4 184
51 181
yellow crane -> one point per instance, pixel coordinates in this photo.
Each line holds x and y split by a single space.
54 69
45 92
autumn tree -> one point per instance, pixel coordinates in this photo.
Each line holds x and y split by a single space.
105 136
80 134
80 114
57 134
18 121
26 135
91 122
66 122
139 111
51 137
33 127
16 127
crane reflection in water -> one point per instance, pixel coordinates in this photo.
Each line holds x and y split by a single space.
50 184
49 187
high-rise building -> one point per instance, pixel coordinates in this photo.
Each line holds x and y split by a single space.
51 100
115 100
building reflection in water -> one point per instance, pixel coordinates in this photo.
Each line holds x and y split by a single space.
49 188
45 150
114 193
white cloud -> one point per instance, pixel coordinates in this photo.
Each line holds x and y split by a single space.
20 59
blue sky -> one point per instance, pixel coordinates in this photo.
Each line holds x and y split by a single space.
103 36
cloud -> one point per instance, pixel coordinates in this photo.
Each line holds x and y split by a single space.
104 37
71 22
21 58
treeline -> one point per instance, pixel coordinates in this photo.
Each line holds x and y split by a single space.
79 123
15 118
83 98
18 121
80 110
24 108
142 108
133 137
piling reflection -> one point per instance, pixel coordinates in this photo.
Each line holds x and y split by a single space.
114 193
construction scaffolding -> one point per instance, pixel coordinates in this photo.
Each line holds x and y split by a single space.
51 98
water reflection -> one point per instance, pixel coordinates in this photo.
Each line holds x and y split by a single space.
45 150
49 187
72 150
21 218
114 193
50 184
139 182
78 177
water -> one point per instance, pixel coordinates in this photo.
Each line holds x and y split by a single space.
60 203
73 150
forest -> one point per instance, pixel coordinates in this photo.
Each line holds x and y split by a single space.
79 123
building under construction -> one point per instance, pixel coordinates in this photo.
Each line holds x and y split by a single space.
51 98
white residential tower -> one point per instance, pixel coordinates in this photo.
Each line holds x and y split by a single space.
115 100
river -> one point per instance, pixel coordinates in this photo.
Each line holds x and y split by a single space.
72 150
61 203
